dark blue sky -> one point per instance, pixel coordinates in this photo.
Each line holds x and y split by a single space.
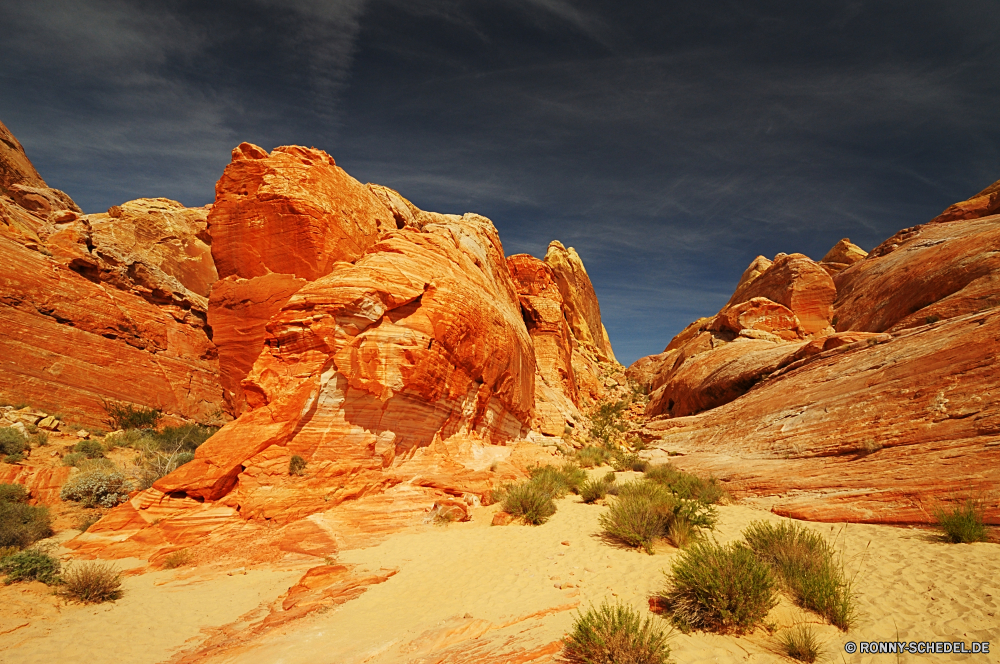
669 142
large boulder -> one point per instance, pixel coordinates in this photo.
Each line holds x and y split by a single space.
983 204
420 340
796 282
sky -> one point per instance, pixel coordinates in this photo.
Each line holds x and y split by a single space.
669 142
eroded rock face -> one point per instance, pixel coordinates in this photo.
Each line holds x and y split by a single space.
422 338
922 275
22 184
583 312
293 211
556 396
878 430
796 282
983 204
841 256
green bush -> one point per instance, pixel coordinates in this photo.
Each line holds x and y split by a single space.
686 485
130 416
13 493
615 635
84 523
184 438
607 423
621 461
807 567
97 485
12 441
724 588
296 465
92 583
162 453
30 565
593 490
529 501
801 643
74 459
89 448
561 480
22 525
591 456
963 523
646 511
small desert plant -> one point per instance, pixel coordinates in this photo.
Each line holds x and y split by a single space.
40 439
529 501
963 523
801 643
682 532
720 587
33 564
130 416
97 485
87 520
591 456
89 448
162 453
74 459
92 583
628 461
807 567
13 493
12 444
646 511
22 525
560 480
607 423
178 559
686 485
296 465
593 490
615 634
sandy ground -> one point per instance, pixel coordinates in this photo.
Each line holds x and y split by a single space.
469 592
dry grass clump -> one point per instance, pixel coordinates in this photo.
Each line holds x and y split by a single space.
22 525
719 587
591 456
807 567
615 635
12 444
126 416
178 559
92 583
297 466
646 511
533 500
963 524
801 643
686 485
621 461
596 489
13 493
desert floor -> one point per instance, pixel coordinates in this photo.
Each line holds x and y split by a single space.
471 592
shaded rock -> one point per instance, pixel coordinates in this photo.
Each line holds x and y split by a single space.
921 275
583 312
403 211
293 211
760 315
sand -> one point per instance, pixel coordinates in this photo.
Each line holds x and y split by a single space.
470 592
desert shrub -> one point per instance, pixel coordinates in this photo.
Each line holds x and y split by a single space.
591 456
963 523
162 453
628 461
39 439
719 587
22 525
92 583
807 567
686 485
84 523
593 490
184 438
130 416
801 643
607 423
178 559
33 564
13 493
529 501
74 459
89 448
615 634
97 485
559 480
296 465
636 519
126 438
12 441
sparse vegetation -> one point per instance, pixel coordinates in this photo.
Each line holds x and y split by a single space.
807 567
87 520
90 449
963 523
529 501
74 459
801 643
596 489
178 559
296 465
591 456
126 416
615 635
628 461
92 583
22 525
161 453
686 485
646 511
719 587
34 564
607 423
97 484
13 443
13 493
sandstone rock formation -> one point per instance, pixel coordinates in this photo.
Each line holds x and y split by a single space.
21 183
841 256
798 283
556 396
583 312
983 204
